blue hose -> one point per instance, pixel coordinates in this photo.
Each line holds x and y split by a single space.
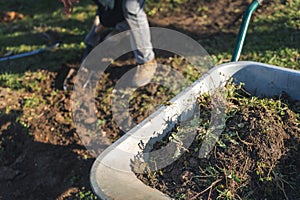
34 52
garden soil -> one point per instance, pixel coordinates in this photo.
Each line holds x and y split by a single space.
44 157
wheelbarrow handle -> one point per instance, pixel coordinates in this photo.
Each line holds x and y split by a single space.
243 30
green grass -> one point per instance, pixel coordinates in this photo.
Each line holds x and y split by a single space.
27 34
273 38
10 80
86 195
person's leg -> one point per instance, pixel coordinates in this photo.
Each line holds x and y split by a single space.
137 20
105 18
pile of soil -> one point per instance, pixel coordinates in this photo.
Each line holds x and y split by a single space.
257 155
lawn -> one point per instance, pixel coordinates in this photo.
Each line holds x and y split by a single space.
41 155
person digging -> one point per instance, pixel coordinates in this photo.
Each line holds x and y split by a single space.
123 15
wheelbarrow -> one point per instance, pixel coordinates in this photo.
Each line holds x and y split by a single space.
111 174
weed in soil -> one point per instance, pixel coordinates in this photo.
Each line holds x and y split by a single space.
256 157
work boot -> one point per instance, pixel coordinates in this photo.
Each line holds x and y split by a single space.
144 73
92 38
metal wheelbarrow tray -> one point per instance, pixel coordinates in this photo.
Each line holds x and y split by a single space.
111 175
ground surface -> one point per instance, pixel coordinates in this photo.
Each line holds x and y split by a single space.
41 155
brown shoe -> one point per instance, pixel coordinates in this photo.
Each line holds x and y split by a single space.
144 73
